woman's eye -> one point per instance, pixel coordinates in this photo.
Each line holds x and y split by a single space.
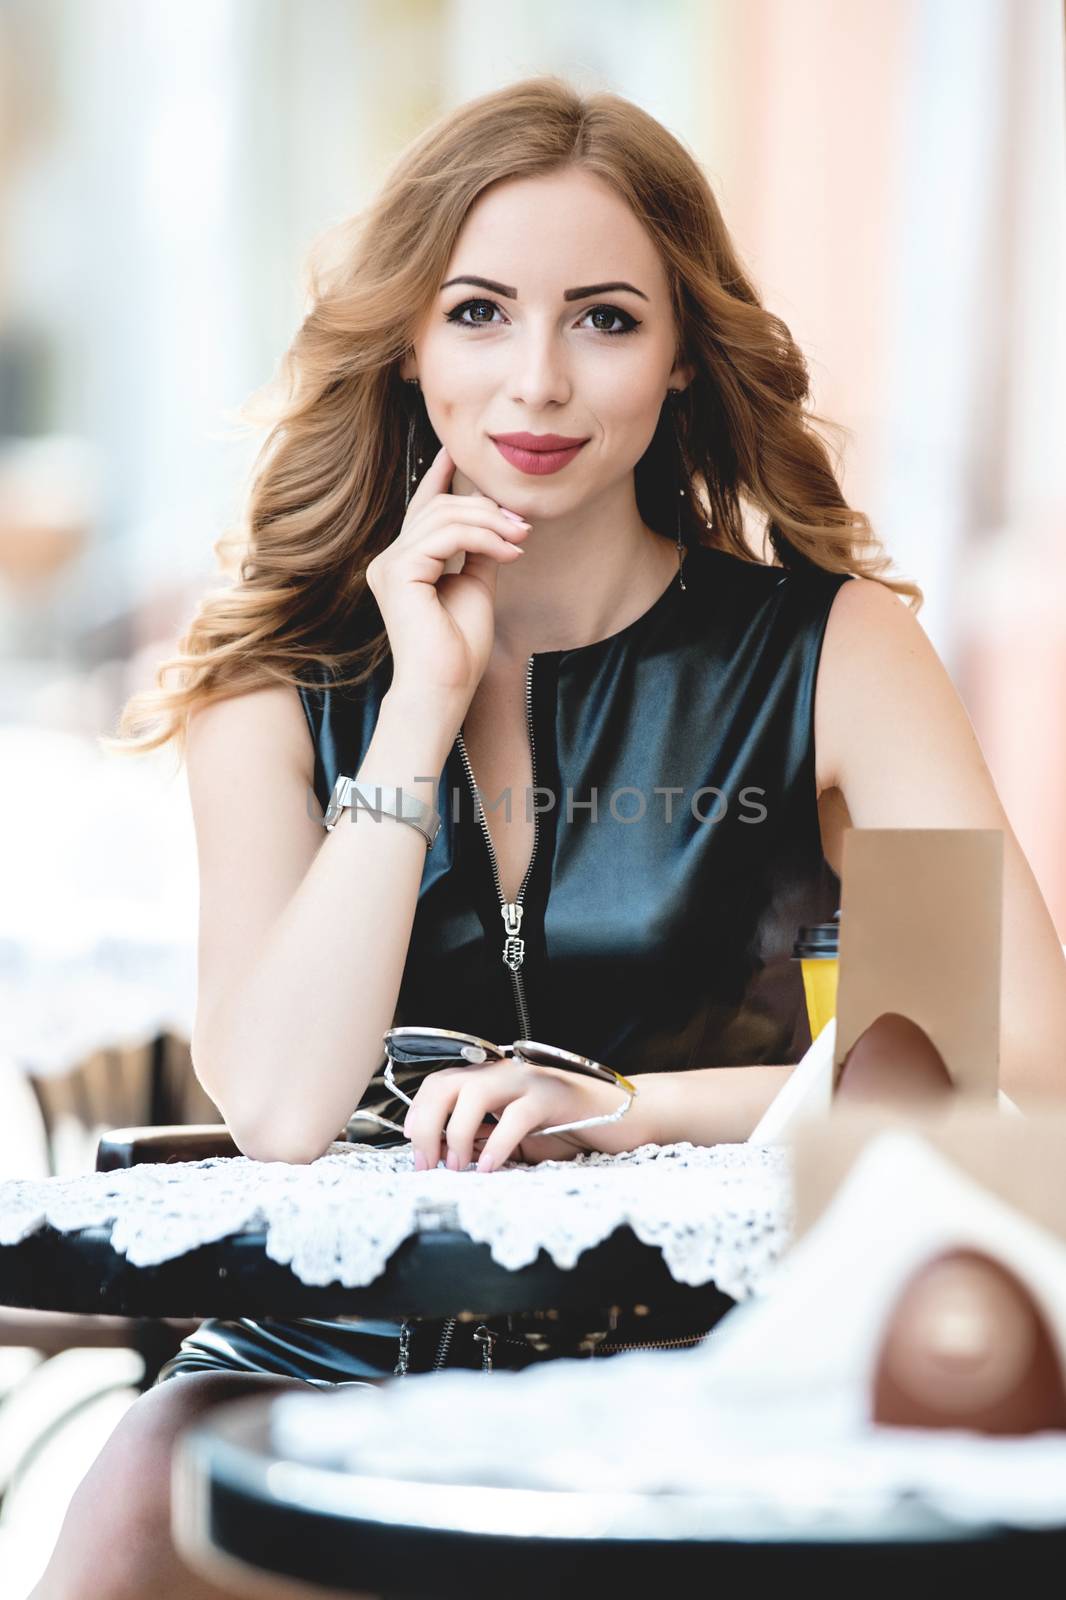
467 305
614 314
611 313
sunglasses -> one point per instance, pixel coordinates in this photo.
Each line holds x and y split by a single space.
444 1047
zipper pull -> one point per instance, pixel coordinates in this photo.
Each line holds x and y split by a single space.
403 1356
514 948
486 1339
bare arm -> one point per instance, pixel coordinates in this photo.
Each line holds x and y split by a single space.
906 755
703 1105
303 933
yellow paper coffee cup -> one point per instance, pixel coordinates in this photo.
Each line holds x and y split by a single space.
817 949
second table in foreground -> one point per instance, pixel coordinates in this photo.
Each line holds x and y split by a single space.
244 1512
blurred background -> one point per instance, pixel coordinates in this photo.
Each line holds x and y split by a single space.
893 172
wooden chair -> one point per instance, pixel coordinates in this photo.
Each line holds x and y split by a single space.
129 1147
139 1086
150 1085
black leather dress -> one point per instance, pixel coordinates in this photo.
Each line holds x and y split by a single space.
677 851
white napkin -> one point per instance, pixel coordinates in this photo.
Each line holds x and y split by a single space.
806 1092
771 1411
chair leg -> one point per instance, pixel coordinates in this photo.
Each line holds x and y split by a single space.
47 1121
155 1343
158 1088
24 1461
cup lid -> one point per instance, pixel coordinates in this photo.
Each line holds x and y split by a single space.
817 939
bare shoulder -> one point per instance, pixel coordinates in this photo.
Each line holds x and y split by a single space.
877 666
260 725
893 735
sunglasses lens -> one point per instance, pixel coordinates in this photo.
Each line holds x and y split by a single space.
542 1055
410 1045
548 1055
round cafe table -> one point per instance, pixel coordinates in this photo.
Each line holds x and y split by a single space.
245 1515
221 1238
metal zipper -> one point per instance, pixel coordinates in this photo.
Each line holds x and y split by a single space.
488 1337
445 1340
512 955
653 1344
514 947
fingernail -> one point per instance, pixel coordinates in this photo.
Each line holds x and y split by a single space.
515 517
453 1161
420 1161
485 1164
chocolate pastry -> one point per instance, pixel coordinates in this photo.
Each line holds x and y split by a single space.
966 1346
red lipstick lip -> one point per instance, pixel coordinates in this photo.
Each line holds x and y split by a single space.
538 463
537 441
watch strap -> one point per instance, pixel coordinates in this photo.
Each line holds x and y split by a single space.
382 800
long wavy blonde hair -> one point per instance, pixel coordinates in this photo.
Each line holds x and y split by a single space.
327 488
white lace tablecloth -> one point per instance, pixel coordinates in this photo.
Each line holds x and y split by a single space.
719 1214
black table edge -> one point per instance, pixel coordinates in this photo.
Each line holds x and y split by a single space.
80 1271
406 1538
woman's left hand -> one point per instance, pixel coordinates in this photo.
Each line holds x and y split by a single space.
447 1117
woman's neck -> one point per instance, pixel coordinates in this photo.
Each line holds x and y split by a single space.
563 595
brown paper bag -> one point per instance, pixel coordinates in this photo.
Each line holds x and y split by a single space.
921 936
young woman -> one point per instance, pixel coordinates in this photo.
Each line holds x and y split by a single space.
499 542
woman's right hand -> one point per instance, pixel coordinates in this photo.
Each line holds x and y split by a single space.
441 624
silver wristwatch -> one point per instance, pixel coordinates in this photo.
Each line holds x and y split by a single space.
378 799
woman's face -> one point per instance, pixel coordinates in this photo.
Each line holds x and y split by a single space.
509 347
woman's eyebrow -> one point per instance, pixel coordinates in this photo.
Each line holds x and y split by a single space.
510 293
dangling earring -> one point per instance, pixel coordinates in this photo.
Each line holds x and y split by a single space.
411 477
672 398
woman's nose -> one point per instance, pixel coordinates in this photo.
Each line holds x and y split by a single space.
540 372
